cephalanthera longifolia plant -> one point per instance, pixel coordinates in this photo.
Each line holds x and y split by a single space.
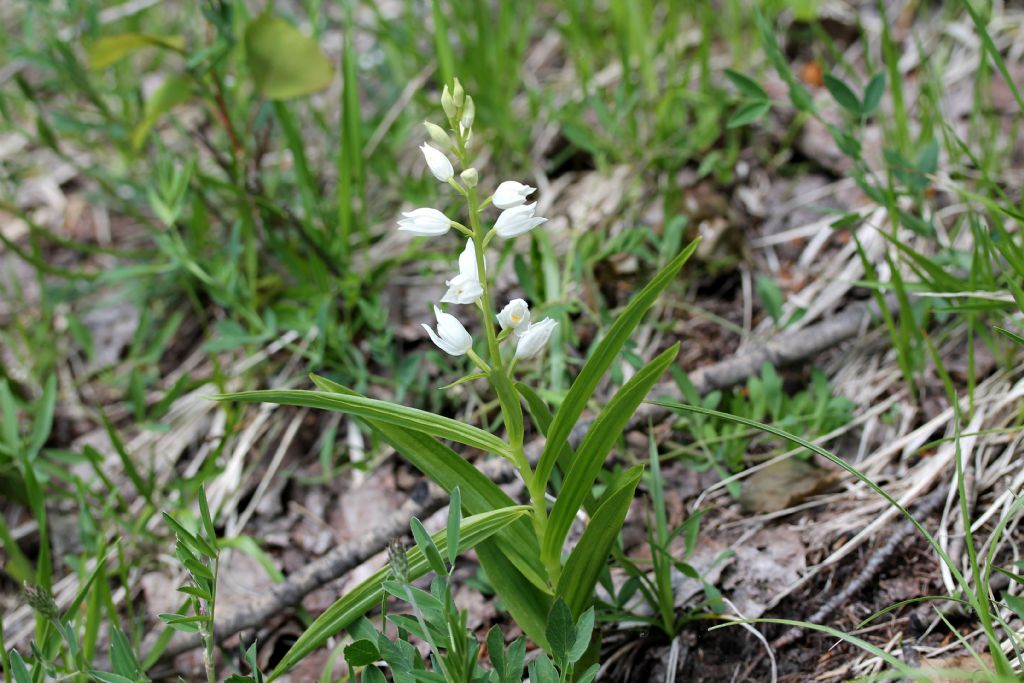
524 559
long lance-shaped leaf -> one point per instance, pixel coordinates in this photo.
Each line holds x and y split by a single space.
588 558
590 456
528 604
403 416
366 595
594 369
543 418
448 470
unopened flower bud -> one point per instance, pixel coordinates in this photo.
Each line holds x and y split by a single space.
438 163
438 135
41 600
458 94
470 177
450 110
468 113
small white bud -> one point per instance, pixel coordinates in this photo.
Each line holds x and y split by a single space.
470 177
438 135
425 223
438 163
510 193
458 94
535 338
450 110
517 221
468 114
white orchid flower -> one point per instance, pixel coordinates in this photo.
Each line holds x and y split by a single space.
451 337
510 193
425 223
462 290
465 288
515 315
517 221
438 163
535 338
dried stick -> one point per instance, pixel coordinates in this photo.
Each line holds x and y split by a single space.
869 571
343 559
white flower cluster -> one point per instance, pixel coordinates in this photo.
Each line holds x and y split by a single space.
517 217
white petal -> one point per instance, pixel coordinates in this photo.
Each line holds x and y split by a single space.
463 289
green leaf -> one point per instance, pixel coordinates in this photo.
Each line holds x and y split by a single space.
373 675
18 668
42 420
193 542
1013 336
543 671
528 604
748 113
584 630
604 355
747 86
588 558
284 62
448 470
510 406
771 296
454 522
561 630
106 677
172 92
844 95
542 418
362 598
590 456
362 653
109 50
873 93
383 411
427 547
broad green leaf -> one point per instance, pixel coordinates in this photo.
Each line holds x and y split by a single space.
171 93
584 630
844 95
528 604
596 445
588 558
362 653
448 470
109 50
747 86
365 596
383 411
873 93
604 355
748 113
561 630
283 61
18 668
373 675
